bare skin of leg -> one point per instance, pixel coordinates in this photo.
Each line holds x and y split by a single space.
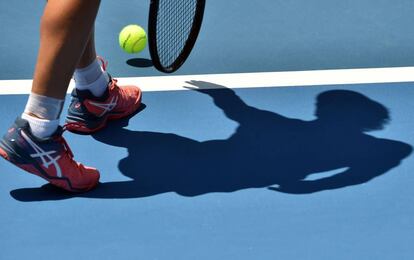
89 54
66 31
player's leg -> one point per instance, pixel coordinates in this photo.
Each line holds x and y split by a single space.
89 53
97 98
88 73
64 32
34 142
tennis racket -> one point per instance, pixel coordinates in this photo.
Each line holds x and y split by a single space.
173 28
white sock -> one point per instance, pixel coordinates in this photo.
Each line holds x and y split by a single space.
41 128
43 114
44 107
92 78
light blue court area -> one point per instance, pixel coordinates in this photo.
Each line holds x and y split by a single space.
267 171
224 174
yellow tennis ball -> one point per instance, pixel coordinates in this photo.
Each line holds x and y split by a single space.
132 38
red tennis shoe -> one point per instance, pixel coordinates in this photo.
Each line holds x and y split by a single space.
49 158
88 114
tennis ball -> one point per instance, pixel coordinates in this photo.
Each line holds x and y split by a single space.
132 38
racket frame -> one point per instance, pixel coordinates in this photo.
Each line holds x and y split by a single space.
189 45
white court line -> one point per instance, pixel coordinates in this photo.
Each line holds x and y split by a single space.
250 80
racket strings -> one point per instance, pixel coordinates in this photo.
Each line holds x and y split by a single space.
174 24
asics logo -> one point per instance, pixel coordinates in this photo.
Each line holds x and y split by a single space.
106 106
45 156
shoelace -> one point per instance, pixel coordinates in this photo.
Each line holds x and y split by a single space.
72 124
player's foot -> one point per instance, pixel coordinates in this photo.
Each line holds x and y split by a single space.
88 114
49 158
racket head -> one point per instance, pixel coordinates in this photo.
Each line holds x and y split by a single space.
170 44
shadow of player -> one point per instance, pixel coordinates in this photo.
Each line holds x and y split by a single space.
267 150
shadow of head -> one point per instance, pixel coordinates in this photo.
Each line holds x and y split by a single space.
351 110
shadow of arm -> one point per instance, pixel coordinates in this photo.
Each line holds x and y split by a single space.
352 176
225 99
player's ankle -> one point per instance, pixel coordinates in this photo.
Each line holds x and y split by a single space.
92 78
40 127
43 107
43 114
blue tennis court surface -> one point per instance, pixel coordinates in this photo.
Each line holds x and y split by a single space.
302 172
